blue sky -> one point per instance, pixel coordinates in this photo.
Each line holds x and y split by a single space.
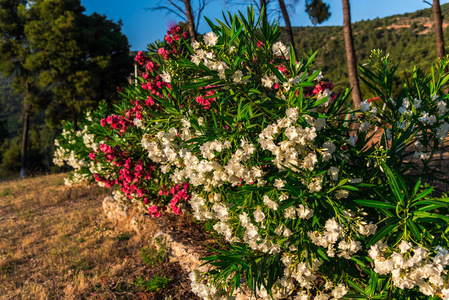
142 26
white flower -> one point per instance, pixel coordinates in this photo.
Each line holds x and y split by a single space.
424 118
292 113
195 45
283 197
279 184
319 76
340 194
270 203
339 291
333 172
365 126
210 39
417 103
290 212
365 105
404 246
267 82
166 77
309 161
304 212
238 77
259 216
352 140
279 48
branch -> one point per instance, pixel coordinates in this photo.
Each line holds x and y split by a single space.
201 5
179 8
427 2
170 10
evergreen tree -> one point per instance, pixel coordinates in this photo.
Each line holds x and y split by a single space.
52 46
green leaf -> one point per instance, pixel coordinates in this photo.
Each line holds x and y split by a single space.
383 232
430 217
413 229
375 204
357 288
277 73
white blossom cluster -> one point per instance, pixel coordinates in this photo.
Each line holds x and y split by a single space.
413 266
163 148
76 179
280 49
305 274
336 237
209 59
206 171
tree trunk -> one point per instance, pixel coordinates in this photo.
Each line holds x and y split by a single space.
190 19
350 55
263 4
74 113
438 28
26 125
288 26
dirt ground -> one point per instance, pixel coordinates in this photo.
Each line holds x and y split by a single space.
56 243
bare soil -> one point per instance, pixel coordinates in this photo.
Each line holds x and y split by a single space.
56 243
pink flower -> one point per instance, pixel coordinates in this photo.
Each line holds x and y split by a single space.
103 122
175 209
92 156
259 44
169 39
150 101
154 211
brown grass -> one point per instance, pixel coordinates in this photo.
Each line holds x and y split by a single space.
55 243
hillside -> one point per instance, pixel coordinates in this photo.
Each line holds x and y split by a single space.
408 38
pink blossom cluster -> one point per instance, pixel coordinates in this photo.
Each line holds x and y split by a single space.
117 122
206 101
130 175
174 34
141 58
179 193
319 88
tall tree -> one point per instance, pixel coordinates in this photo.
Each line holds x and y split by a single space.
318 11
438 19
14 50
82 61
184 10
350 55
51 45
288 25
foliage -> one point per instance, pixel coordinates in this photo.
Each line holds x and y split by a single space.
59 62
152 256
315 199
155 284
397 35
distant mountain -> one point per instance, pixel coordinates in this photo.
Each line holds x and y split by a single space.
408 38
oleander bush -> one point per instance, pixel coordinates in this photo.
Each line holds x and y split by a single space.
316 199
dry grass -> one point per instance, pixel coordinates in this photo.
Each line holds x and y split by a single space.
55 243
